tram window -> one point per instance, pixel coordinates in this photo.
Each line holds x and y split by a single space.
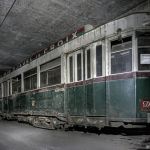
30 79
121 56
51 72
79 67
44 79
16 84
144 52
88 63
71 68
5 89
9 87
54 76
99 60
33 81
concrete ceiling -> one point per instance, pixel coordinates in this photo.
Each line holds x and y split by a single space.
31 25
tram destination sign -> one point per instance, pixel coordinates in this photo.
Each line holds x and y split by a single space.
145 59
67 38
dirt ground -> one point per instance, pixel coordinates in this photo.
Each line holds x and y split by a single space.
19 136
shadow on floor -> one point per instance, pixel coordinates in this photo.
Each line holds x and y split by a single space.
112 130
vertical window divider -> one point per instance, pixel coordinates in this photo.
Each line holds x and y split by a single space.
75 66
103 59
94 60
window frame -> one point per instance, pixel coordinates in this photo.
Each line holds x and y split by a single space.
16 82
91 66
52 66
49 69
29 77
102 44
68 67
139 57
76 73
124 35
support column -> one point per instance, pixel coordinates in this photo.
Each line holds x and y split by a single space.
134 53
22 82
63 68
10 87
38 76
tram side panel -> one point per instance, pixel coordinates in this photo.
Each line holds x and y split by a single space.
86 104
21 103
143 98
10 105
75 100
89 100
40 102
121 100
96 99
1 107
99 96
5 105
86 97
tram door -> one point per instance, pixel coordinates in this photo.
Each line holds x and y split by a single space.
75 88
84 95
95 83
121 85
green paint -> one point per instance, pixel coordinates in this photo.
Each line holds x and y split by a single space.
117 99
88 100
10 105
99 96
1 106
121 99
5 105
71 101
143 91
75 100
58 101
44 101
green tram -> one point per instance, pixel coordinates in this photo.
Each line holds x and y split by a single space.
95 77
